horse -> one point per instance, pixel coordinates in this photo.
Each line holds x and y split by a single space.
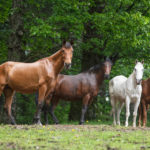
126 90
81 87
145 101
38 76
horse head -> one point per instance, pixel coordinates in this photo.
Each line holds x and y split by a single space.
67 50
138 70
107 67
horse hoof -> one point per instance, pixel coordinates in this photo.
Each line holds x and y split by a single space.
81 123
37 122
13 123
134 125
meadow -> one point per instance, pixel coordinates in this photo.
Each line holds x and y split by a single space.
90 136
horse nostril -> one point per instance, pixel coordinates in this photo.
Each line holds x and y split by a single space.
67 65
139 81
106 76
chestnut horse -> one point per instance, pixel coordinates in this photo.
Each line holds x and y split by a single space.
145 101
30 77
84 86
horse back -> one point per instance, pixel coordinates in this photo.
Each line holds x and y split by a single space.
75 87
27 76
117 87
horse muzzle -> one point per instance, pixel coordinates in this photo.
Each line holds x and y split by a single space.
67 65
106 76
138 81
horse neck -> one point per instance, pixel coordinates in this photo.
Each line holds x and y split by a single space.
132 81
99 76
58 61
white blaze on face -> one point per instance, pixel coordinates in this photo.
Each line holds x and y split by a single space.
139 69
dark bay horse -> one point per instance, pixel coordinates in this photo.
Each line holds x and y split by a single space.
83 86
145 101
30 77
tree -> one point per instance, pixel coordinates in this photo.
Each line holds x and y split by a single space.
99 28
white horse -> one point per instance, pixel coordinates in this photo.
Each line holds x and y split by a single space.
126 90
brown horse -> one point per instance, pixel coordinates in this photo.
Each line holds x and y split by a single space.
145 101
84 86
30 77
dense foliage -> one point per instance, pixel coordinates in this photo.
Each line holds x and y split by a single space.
98 27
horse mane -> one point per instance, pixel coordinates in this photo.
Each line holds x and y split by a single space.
95 69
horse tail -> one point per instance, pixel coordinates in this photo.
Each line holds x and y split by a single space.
111 94
36 98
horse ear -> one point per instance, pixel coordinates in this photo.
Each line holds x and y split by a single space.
63 43
142 61
114 57
136 61
104 58
71 42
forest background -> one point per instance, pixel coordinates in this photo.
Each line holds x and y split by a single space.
33 29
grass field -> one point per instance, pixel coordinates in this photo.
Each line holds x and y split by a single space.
73 137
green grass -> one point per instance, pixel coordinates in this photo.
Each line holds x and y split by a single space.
73 137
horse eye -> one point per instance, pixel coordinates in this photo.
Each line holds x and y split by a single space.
63 50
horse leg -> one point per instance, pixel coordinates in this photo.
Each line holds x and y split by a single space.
45 109
147 107
121 104
144 113
42 91
127 110
52 108
84 108
8 92
113 104
136 105
140 114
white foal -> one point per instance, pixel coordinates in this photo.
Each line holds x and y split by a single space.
126 90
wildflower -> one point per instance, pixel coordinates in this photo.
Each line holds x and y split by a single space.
51 132
73 130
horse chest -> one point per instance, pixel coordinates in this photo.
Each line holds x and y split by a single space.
134 93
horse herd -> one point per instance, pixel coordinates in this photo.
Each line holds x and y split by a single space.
43 77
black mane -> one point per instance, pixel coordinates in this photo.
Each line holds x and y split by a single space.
97 68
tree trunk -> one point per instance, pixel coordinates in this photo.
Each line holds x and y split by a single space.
15 52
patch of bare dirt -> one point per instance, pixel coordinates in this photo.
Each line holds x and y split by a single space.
82 127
